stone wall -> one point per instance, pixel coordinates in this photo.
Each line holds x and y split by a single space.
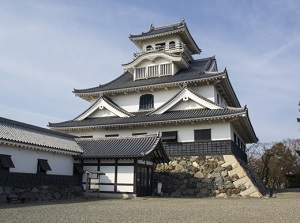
206 176
44 193
25 187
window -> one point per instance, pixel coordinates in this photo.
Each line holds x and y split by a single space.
149 48
172 45
169 136
112 135
6 162
202 134
160 46
139 133
153 71
43 166
165 69
235 138
140 73
146 101
218 99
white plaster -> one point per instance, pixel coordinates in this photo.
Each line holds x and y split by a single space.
26 160
109 176
122 188
107 187
219 130
125 174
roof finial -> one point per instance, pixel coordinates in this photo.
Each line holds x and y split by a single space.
151 27
182 21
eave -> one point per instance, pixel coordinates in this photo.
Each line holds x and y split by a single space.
151 123
21 145
91 95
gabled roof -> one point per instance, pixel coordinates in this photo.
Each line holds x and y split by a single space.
185 94
177 28
123 147
104 102
13 132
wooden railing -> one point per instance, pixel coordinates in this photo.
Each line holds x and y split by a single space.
205 148
179 47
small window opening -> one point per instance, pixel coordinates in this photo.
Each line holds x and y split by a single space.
149 48
202 134
172 45
147 101
43 166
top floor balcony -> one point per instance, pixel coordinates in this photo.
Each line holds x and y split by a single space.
171 48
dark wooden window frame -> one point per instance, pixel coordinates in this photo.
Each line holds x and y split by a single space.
169 136
6 162
43 166
202 135
146 101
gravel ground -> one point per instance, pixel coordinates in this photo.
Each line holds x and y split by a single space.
156 210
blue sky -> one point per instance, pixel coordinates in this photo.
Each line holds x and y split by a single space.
48 48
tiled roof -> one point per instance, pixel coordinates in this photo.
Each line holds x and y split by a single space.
19 132
141 118
195 71
158 30
177 28
119 147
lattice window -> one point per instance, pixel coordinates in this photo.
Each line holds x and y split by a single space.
202 134
153 71
140 73
165 69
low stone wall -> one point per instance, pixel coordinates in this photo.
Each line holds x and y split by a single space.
44 193
205 176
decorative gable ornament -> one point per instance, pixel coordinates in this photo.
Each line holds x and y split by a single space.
186 94
103 103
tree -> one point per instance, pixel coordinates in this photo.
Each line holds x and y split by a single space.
274 163
298 119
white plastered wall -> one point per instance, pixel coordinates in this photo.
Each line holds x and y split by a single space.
130 102
219 131
25 160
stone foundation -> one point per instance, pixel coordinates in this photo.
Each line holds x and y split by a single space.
39 193
207 176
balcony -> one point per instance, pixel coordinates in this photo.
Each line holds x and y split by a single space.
206 148
173 48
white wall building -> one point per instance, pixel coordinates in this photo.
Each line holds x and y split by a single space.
163 89
32 151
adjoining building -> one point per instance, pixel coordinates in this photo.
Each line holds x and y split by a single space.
164 89
37 163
